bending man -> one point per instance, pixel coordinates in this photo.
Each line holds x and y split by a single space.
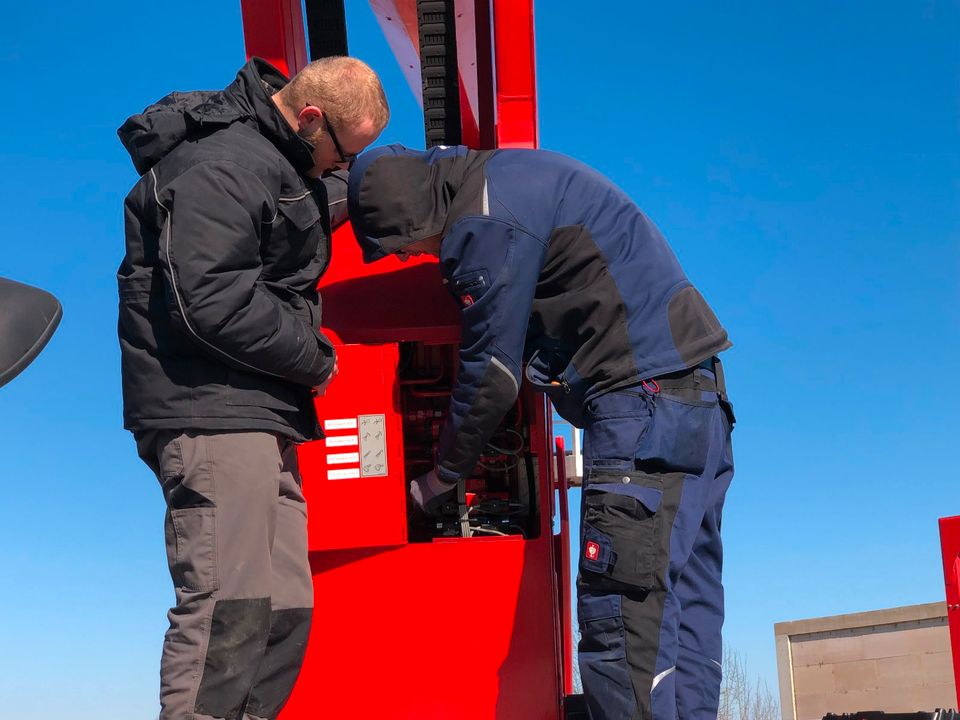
558 272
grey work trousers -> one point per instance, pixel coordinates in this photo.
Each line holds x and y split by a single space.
236 538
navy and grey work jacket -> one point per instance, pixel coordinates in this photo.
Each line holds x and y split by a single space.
558 275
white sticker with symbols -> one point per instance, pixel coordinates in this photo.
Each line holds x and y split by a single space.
345 474
373 445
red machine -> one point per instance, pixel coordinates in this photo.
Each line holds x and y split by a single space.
950 544
501 644
491 574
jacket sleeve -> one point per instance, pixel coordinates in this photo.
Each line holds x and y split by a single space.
335 184
491 267
210 254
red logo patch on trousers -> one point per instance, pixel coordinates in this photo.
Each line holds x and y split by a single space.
591 551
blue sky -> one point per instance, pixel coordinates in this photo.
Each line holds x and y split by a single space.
803 162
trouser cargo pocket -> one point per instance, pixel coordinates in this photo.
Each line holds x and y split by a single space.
192 549
620 529
190 527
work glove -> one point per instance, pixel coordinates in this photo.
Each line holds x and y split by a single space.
429 492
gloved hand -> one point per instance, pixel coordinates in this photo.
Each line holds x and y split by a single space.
429 492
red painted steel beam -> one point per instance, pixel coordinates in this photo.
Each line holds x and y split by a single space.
482 100
516 74
273 30
496 63
950 545
566 602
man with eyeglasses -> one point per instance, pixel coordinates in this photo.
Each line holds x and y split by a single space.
227 232
344 159
563 282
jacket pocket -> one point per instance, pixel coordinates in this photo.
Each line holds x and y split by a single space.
294 239
620 531
135 306
300 210
135 288
541 374
469 287
145 323
290 298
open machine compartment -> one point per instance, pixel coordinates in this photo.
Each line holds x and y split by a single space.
500 496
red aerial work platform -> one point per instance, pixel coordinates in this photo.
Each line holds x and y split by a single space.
467 617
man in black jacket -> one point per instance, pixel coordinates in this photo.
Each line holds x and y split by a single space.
227 232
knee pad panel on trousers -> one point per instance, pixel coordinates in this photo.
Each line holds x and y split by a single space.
287 646
602 657
663 695
698 685
238 638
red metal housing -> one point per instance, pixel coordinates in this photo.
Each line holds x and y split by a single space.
950 545
447 628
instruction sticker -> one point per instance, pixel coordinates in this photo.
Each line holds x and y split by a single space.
345 474
343 459
373 445
341 440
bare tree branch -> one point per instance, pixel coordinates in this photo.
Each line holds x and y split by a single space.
741 698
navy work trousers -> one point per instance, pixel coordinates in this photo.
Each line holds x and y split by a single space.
657 465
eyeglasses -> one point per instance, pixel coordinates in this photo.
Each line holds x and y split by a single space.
345 158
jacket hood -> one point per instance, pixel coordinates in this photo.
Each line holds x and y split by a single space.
397 196
161 127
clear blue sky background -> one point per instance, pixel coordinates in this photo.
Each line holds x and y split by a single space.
803 161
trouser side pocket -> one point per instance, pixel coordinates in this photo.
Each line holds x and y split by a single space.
620 530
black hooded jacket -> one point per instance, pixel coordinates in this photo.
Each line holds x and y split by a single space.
225 241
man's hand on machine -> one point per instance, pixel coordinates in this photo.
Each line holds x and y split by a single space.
429 492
